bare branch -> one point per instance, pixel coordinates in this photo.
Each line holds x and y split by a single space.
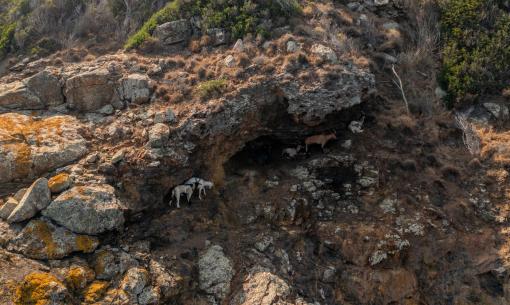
401 87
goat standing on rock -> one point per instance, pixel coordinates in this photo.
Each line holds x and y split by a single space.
179 190
202 185
321 139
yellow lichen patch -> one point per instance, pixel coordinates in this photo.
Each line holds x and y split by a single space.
22 158
19 132
78 277
85 243
43 233
59 182
95 291
36 288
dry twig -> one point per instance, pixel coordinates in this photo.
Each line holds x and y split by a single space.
401 87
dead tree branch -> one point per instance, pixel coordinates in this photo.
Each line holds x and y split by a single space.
401 87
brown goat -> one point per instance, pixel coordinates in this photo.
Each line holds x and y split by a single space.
321 139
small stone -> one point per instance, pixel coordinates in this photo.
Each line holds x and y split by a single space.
353 6
264 243
381 2
118 156
36 198
347 144
388 206
391 26
158 135
78 277
238 46
230 61
329 275
92 158
59 183
499 111
377 257
291 46
166 116
440 93
389 58
149 296
134 281
324 52
107 110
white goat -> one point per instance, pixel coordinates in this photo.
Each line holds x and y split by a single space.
357 126
202 185
193 182
179 190
290 152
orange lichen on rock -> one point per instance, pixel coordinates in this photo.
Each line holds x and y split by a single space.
95 291
43 232
39 289
59 182
19 134
78 277
85 244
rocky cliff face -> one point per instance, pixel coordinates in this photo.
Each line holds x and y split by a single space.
389 212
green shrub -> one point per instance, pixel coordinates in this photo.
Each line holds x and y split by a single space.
169 12
476 48
6 34
211 87
239 17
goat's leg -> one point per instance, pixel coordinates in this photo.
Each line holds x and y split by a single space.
306 147
178 200
200 191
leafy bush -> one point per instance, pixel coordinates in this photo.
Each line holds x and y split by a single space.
476 48
239 17
170 12
6 34
211 87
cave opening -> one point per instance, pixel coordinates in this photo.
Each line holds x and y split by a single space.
262 152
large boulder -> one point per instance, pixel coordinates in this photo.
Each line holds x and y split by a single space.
16 95
310 104
173 32
30 147
135 88
47 87
36 198
87 209
215 272
40 239
89 91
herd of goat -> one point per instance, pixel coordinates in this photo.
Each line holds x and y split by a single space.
188 187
